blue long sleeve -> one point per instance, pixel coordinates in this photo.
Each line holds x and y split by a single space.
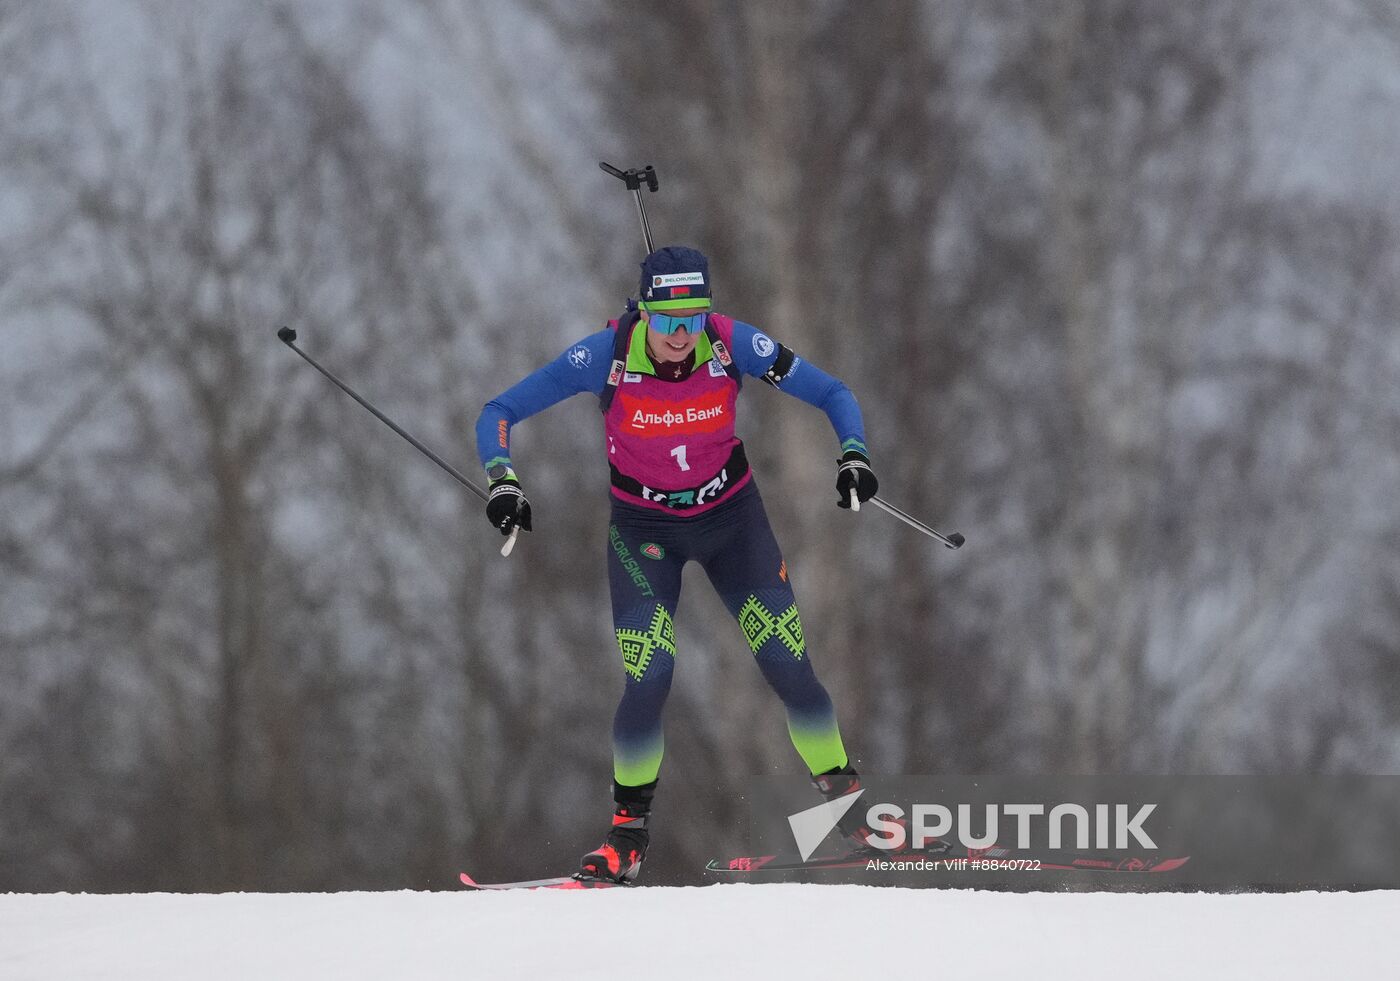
755 353
582 368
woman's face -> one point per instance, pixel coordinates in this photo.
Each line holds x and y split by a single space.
676 346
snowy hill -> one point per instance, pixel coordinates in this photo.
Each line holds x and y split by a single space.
732 931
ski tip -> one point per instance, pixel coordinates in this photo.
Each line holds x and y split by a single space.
1167 865
468 880
747 864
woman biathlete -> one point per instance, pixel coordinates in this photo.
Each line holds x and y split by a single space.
667 374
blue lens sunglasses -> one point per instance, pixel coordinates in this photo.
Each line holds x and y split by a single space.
664 323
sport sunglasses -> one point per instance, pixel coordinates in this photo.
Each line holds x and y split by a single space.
665 323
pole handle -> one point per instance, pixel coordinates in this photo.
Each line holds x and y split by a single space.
634 178
855 500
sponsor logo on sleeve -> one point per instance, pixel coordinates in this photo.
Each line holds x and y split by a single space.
763 345
580 357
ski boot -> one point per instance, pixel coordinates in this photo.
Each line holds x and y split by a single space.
619 858
854 830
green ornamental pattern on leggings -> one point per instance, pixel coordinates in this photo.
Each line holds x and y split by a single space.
639 645
760 624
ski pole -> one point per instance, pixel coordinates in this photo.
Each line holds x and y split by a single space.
633 179
288 336
953 541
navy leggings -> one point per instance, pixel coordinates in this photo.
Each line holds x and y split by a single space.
735 546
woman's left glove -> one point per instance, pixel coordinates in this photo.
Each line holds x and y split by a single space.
853 473
506 506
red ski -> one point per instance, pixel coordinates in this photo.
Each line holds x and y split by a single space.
559 882
1003 859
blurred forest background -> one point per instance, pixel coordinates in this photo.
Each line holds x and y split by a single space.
1114 281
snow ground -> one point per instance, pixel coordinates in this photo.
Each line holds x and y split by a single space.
725 931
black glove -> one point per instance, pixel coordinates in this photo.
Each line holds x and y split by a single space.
506 506
853 471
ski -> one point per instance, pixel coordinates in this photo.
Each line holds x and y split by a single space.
770 863
991 859
558 882
1135 864
852 860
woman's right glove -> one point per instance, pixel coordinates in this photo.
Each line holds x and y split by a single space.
506 505
853 473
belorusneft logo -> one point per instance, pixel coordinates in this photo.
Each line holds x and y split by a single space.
1037 825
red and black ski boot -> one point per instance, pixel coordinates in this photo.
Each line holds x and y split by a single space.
619 858
857 833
